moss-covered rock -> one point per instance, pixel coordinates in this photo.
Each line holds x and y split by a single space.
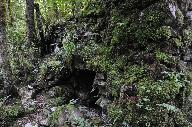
141 48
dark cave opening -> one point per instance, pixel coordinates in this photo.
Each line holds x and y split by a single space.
83 81
79 83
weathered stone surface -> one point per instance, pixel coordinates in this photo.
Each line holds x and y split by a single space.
103 102
143 44
31 125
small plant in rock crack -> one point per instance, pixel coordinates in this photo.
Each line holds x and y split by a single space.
76 117
53 118
12 111
80 122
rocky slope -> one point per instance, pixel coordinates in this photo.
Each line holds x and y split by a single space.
125 63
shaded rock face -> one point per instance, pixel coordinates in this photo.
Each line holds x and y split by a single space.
79 85
149 34
154 35
74 103
84 85
80 115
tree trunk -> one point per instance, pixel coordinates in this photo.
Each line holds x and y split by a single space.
9 13
39 18
31 31
4 61
30 21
